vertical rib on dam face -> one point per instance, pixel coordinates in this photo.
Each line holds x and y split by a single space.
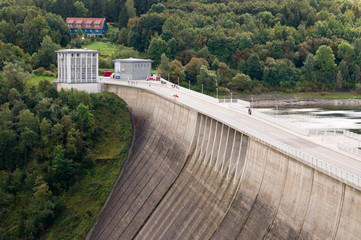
193 177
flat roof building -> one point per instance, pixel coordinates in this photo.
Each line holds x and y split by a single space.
133 68
78 68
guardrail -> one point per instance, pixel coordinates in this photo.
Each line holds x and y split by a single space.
272 119
350 148
325 132
352 135
322 166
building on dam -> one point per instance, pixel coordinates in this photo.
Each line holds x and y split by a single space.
78 69
132 69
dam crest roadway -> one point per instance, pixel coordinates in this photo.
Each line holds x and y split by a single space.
206 170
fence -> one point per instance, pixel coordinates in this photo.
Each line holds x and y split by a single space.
352 135
350 147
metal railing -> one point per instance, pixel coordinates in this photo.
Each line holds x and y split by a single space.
352 135
350 147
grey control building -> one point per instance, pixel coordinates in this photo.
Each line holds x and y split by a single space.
78 68
133 68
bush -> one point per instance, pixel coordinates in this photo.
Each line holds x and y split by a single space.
223 91
358 87
39 72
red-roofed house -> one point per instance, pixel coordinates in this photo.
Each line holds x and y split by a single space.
88 25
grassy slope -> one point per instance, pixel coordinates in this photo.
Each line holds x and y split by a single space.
34 80
105 48
87 196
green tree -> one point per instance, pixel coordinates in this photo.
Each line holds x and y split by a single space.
34 29
325 62
356 74
240 82
157 8
128 11
193 67
79 33
80 9
208 79
96 8
28 139
84 120
27 119
15 76
245 42
156 48
41 190
59 31
309 68
47 54
281 75
254 67
339 80
164 66
63 169
345 51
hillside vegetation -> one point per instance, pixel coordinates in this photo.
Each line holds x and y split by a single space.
249 46
60 153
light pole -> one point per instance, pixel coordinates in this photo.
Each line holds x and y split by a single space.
168 77
202 88
189 84
217 92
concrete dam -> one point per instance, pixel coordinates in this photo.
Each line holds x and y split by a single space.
193 177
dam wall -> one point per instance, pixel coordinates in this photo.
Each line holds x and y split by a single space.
193 177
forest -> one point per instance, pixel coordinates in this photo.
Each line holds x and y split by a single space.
49 140
245 46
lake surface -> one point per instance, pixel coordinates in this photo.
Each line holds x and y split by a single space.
318 117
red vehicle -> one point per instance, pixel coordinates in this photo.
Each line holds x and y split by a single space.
152 78
107 73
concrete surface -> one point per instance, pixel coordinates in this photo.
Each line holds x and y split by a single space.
191 176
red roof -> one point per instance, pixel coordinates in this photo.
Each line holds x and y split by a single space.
84 22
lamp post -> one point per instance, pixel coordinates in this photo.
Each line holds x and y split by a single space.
168 77
217 92
202 88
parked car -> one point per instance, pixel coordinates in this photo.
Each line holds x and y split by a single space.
107 73
152 78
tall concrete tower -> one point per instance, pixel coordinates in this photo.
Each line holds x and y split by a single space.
78 68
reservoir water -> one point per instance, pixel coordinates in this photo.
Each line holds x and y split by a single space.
318 117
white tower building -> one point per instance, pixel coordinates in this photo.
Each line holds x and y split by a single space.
78 68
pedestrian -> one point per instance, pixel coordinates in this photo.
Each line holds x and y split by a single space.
249 111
